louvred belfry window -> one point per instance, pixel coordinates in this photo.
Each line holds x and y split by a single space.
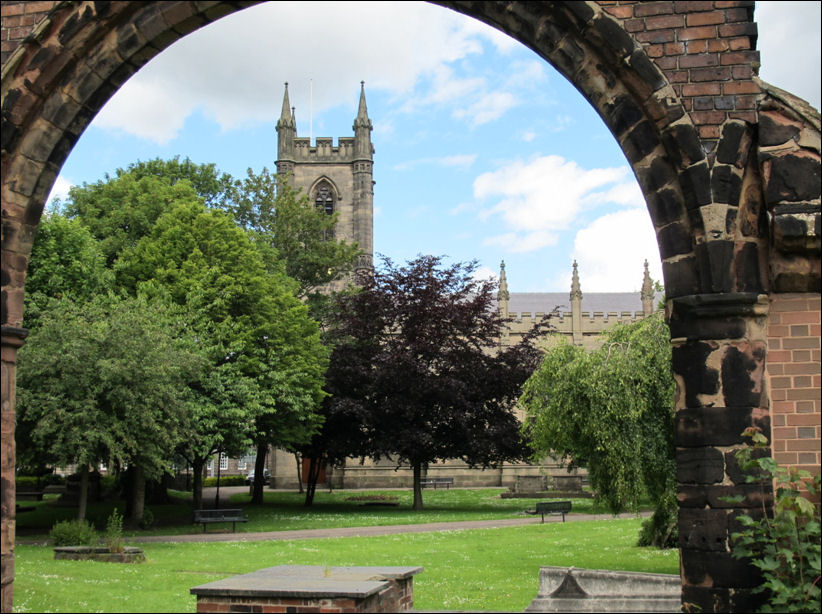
325 198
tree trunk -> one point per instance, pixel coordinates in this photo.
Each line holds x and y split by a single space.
417 485
82 499
137 497
299 470
217 496
314 469
259 474
197 466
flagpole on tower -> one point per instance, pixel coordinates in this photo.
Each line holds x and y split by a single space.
310 111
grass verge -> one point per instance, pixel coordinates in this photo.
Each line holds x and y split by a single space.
494 570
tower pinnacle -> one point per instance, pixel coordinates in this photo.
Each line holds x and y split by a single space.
576 291
647 293
502 293
362 120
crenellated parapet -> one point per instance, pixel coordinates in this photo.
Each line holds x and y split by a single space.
324 150
591 325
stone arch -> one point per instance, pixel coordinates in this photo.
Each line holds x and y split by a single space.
685 118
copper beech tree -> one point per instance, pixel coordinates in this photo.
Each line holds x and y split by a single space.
418 374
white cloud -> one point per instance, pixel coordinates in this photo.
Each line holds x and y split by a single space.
234 69
612 249
546 194
790 47
522 242
489 107
483 273
462 161
60 190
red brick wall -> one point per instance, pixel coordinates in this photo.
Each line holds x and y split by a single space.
19 19
705 49
793 369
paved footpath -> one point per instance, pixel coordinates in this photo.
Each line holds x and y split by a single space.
368 531
221 535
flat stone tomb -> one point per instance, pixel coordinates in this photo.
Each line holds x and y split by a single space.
569 589
296 588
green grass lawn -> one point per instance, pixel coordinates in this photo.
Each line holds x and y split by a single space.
283 511
484 569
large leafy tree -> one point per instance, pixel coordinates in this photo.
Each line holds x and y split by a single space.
611 410
120 211
265 348
212 186
282 217
417 364
106 380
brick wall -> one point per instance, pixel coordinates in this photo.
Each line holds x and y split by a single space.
19 19
793 370
707 50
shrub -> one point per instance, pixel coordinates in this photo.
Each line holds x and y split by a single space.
114 532
661 530
73 533
26 482
784 545
226 480
147 521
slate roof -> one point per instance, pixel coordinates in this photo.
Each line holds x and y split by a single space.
606 302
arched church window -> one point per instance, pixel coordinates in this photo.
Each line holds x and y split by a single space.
325 198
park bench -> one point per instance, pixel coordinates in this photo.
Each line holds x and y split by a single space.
551 507
29 495
437 482
233 516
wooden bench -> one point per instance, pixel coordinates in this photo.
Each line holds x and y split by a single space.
29 495
233 516
436 482
551 507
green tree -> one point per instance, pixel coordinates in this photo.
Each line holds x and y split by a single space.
66 261
255 331
611 410
106 381
282 217
120 211
212 186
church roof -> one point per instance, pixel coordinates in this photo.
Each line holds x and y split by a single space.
606 302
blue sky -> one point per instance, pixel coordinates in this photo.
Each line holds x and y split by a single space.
483 151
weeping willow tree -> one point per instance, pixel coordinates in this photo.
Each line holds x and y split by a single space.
611 411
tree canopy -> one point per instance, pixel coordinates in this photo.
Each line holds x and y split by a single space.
260 338
611 410
106 380
159 229
418 372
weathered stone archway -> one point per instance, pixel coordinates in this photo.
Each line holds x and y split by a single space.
729 168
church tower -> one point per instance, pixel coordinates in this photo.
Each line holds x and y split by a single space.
337 179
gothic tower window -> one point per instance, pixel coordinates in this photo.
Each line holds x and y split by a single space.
325 198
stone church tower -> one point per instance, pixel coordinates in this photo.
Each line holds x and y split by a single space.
338 179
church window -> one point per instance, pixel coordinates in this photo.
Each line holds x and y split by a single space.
325 198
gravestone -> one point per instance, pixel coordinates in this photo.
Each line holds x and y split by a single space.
568 589
529 484
568 483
